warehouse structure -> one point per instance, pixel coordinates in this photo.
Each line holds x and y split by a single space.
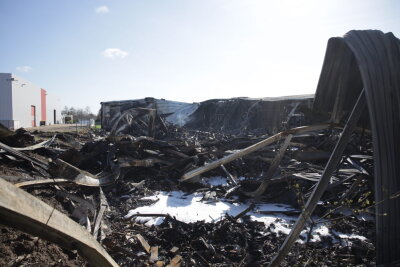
23 104
235 115
112 110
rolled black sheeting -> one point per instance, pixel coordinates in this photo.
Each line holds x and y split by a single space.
371 60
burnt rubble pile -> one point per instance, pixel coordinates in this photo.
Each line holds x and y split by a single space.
168 183
132 167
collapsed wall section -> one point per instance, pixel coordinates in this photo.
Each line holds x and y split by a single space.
268 115
236 115
175 112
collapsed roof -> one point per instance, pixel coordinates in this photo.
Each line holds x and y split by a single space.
229 115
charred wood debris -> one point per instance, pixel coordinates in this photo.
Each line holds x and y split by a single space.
78 190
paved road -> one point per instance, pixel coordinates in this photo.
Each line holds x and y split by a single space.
59 128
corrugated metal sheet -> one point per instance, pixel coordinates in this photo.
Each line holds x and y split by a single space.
370 59
241 114
169 107
111 110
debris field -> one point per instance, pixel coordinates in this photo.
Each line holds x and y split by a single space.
179 187
147 213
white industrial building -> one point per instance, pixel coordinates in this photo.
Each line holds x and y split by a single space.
23 104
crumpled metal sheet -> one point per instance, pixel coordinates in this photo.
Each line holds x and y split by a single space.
371 60
241 114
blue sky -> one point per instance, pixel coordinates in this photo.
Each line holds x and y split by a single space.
92 51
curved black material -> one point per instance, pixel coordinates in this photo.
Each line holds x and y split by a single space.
371 60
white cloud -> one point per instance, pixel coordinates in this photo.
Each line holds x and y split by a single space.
114 53
102 9
24 68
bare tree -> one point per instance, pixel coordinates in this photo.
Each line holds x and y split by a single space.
79 114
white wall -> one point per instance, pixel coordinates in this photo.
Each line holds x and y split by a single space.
16 98
25 94
53 103
6 113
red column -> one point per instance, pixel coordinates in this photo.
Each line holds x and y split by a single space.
33 116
